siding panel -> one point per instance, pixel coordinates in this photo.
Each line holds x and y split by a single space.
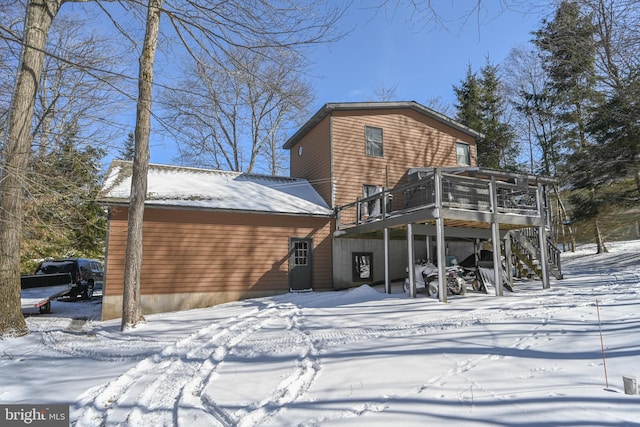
213 252
410 140
314 164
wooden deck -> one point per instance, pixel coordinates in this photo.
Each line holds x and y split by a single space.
468 203
460 201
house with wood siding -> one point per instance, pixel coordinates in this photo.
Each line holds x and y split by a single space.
211 237
347 214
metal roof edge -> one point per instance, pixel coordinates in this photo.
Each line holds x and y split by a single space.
161 167
149 204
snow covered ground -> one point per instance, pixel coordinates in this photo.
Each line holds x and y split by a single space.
356 358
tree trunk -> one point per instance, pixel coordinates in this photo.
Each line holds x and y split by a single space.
599 241
564 218
39 16
131 308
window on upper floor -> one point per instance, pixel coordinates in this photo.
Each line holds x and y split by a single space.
463 156
373 141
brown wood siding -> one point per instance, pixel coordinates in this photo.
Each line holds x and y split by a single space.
314 164
410 140
196 251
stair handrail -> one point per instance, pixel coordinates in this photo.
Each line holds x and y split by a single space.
531 237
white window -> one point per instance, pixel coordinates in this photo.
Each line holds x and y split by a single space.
463 156
373 141
301 253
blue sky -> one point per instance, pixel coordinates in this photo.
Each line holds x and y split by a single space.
420 61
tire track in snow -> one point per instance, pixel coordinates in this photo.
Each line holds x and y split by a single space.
198 356
292 388
150 392
330 337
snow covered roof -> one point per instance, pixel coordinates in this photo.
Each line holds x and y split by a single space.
178 186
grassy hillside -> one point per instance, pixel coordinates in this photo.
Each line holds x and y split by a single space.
619 216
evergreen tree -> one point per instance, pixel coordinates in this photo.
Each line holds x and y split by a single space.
498 150
62 217
567 45
568 50
469 101
616 128
481 107
127 151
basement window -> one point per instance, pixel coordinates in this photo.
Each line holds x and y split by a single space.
362 266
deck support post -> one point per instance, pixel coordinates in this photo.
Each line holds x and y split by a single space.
442 261
411 261
508 257
544 259
497 265
542 241
440 248
495 238
387 278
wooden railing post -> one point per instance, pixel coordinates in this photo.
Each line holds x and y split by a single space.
438 188
383 201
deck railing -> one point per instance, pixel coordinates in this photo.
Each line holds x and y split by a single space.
455 191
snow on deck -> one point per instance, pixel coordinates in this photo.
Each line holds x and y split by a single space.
212 189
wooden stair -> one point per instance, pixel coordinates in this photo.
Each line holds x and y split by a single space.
526 249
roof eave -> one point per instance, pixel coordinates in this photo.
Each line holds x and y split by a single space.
125 204
328 108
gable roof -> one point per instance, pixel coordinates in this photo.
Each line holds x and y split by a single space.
176 186
328 108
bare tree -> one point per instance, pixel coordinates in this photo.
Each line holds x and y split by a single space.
39 17
79 74
200 25
68 130
54 107
440 105
525 85
616 27
534 113
131 309
233 116
385 93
